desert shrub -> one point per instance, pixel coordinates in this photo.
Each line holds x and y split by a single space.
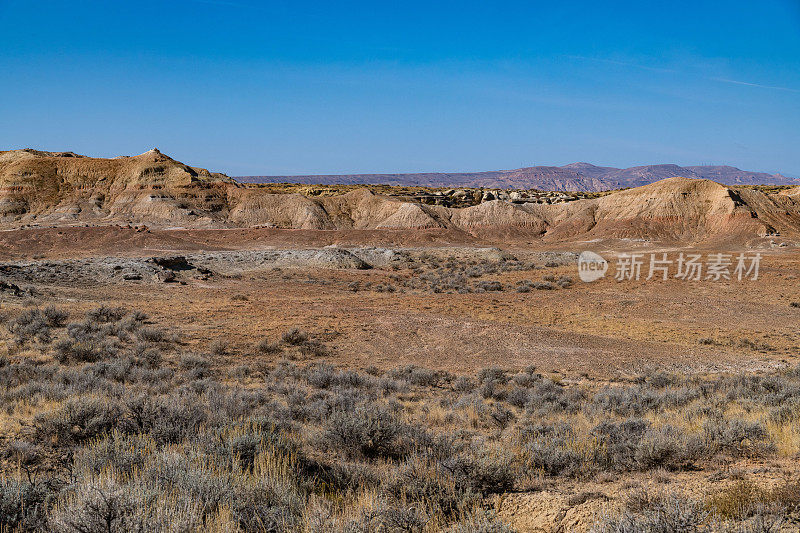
78 420
151 334
381 287
666 447
739 501
463 384
321 376
524 286
415 375
267 347
199 365
786 413
232 403
661 379
240 371
101 505
794 304
565 282
763 390
638 400
518 397
370 432
656 513
619 442
150 356
527 378
25 454
500 416
87 350
736 437
617 446
15 374
311 348
218 347
167 419
492 374
488 286
484 470
30 325
787 496
402 518
756 345
105 314
119 452
423 479
56 318
546 396
294 337
549 449
493 389
23 505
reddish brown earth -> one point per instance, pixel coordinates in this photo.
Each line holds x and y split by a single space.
600 328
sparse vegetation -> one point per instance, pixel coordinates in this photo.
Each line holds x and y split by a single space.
120 430
451 275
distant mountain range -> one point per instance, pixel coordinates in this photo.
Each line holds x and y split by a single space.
572 177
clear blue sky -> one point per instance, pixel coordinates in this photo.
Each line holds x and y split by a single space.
249 87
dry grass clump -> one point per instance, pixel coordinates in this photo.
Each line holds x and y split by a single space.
115 430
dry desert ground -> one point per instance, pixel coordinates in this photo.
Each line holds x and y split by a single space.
183 353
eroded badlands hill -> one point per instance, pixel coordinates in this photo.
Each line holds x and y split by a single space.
62 187
55 189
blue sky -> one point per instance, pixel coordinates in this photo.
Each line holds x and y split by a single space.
344 87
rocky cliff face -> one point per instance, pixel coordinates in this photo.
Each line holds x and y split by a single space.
62 187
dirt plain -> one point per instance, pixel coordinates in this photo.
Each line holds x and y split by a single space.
602 328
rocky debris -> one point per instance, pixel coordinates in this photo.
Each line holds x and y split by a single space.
12 288
468 197
177 262
383 257
203 266
100 269
242 261
165 276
